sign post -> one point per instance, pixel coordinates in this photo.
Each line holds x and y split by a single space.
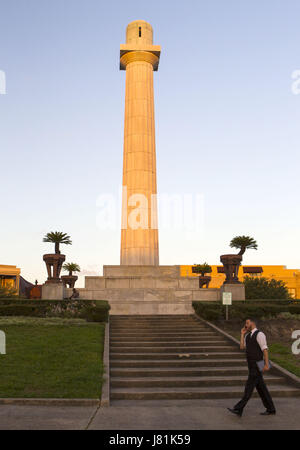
227 300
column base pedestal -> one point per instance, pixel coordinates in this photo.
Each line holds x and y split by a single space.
150 290
52 291
237 290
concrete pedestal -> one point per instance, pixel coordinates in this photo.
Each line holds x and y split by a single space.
150 290
237 290
53 291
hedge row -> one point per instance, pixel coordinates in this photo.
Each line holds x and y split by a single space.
240 310
91 310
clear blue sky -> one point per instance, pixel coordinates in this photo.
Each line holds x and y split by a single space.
228 126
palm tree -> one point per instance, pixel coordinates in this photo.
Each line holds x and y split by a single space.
243 243
71 267
57 237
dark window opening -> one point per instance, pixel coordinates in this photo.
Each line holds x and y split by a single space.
140 31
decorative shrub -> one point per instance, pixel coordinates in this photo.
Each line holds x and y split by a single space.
22 310
288 316
212 314
96 314
7 292
56 308
256 288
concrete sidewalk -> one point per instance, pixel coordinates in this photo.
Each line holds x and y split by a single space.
189 415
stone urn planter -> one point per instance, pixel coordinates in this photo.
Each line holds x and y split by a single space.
54 262
69 280
204 281
231 265
202 270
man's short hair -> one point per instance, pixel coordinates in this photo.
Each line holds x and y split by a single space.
252 319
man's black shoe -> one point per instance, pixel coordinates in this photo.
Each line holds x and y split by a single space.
268 413
236 412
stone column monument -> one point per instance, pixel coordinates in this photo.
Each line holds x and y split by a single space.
139 234
139 285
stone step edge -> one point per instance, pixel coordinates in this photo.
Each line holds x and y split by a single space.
152 332
170 371
158 355
224 378
166 343
178 396
176 361
164 340
194 390
181 349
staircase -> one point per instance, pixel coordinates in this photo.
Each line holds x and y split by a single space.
177 358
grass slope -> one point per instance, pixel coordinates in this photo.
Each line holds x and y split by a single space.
51 358
278 332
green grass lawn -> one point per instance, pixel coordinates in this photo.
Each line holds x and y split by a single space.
51 358
282 355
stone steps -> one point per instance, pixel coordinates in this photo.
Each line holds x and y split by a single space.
156 318
170 356
159 335
192 393
154 323
165 329
138 323
186 382
178 372
177 358
173 338
168 323
169 343
146 363
142 317
170 349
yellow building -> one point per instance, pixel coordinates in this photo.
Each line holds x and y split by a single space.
10 277
291 277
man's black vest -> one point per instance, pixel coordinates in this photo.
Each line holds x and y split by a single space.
253 350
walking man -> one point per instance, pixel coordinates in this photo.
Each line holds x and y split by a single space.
256 350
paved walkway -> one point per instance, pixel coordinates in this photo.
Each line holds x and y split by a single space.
190 415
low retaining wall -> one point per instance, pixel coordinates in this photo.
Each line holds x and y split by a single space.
166 294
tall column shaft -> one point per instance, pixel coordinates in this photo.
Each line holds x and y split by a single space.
139 234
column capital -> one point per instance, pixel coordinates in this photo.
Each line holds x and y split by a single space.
129 54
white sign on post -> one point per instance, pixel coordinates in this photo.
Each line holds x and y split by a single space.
227 298
2 343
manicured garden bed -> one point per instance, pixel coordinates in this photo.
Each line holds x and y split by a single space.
51 358
242 309
91 310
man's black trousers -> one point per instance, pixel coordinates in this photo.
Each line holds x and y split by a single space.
256 380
